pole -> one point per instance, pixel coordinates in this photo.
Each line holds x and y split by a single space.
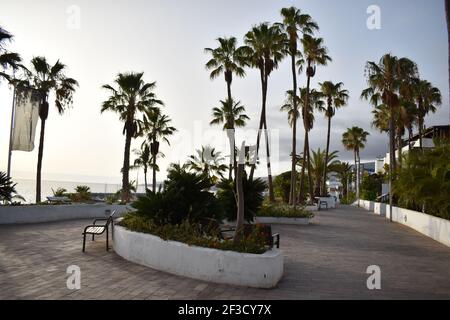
11 132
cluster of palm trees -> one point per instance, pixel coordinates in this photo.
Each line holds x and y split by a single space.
265 46
140 111
401 100
45 79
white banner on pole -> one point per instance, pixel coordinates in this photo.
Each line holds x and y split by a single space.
26 116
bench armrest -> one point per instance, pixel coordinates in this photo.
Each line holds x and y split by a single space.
100 219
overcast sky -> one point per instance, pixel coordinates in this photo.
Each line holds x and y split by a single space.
165 39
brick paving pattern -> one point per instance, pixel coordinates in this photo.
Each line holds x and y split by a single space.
325 260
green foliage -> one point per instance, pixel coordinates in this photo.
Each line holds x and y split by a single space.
82 194
283 210
371 186
282 186
7 189
194 235
349 198
60 192
424 181
253 197
186 197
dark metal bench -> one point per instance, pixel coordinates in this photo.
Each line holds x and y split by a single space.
323 203
95 229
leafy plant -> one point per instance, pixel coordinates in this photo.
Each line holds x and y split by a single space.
82 194
283 210
371 186
423 183
8 189
253 197
60 192
186 197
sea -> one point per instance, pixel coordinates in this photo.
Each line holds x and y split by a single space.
27 188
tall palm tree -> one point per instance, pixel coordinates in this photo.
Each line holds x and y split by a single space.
307 103
157 127
294 24
428 98
386 80
232 115
7 59
336 97
131 98
209 162
344 172
319 164
226 58
315 53
47 79
143 160
265 48
354 139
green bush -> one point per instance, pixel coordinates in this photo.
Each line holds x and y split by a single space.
253 197
82 194
349 199
193 234
8 189
60 192
371 186
282 186
283 210
185 197
423 183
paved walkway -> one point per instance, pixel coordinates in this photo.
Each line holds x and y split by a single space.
325 260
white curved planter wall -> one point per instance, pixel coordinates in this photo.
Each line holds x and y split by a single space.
253 270
282 220
430 226
48 213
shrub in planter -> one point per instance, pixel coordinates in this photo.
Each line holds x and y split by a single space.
253 197
185 196
283 211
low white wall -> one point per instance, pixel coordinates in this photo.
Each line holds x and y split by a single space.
48 213
430 226
253 270
380 209
282 220
368 205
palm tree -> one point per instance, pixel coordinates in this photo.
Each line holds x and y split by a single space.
265 48
428 98
232 115
344 172
354 139
46 78
294 22
315 54
336 97
143 160
157 127
7 59
226 58
131 97
318 167
386 80
209 162
308 102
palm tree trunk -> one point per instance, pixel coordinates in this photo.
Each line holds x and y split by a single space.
261 122
240 201
310 180
154 174
145 177
391 161
399 143
39 163
420 131
233 163
324 185
292 194
356 175
126 166
269 169
302 174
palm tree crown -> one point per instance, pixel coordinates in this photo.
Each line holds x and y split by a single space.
7 59
354 139
230 114
209 162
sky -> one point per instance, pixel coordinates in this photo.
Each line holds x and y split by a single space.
166 39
